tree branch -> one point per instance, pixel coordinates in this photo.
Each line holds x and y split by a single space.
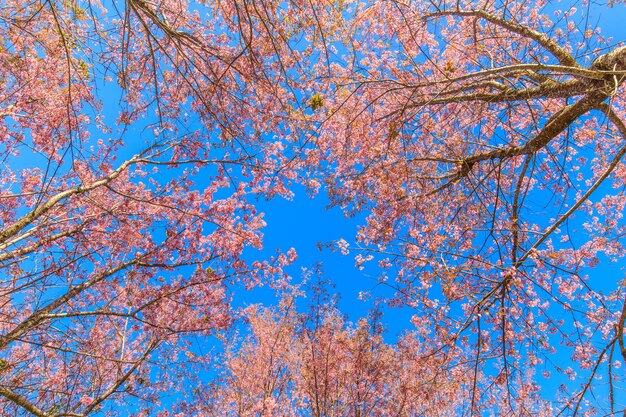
23 402
541 38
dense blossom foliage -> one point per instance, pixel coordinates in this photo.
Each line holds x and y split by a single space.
481 142
291 366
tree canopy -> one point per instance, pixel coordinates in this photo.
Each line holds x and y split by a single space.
481 145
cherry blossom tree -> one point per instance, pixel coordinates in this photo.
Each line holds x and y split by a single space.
482 141
318 365
132 141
